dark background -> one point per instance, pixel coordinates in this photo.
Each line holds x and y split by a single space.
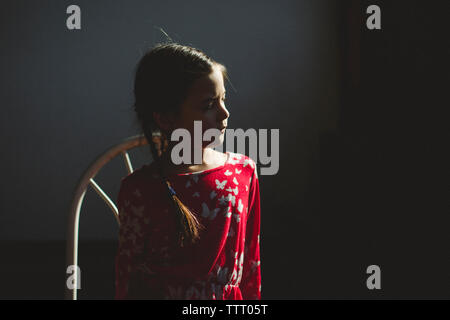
355 186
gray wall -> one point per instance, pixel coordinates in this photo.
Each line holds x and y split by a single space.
66 97
355 181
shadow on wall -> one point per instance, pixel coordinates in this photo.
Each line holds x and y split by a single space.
36 270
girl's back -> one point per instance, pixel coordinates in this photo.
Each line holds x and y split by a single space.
223 264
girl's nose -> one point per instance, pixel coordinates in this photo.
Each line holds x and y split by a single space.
224 113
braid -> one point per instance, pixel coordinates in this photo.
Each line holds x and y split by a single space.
159 145
188 226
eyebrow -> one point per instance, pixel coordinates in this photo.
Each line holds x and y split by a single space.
212 98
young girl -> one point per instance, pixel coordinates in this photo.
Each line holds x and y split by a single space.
187 231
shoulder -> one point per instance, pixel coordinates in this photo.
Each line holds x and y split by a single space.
138 179
242 161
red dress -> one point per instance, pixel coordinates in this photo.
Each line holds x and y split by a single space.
223 264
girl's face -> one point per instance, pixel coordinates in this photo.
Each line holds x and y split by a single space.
206 103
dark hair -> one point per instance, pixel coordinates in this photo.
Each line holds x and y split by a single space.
163 78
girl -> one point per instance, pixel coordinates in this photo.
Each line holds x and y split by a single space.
187 231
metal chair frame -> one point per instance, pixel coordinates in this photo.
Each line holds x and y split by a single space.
87 178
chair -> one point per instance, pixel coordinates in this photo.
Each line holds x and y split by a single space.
87 179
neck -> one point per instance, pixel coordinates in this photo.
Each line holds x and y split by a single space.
169 167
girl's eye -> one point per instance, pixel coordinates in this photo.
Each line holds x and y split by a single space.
210 105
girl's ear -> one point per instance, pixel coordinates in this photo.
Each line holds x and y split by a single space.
165 121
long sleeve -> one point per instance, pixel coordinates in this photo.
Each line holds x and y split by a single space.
142 263
130 239
251 277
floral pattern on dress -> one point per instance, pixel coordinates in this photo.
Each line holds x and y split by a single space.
223 264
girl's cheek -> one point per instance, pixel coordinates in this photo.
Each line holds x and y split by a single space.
210 119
